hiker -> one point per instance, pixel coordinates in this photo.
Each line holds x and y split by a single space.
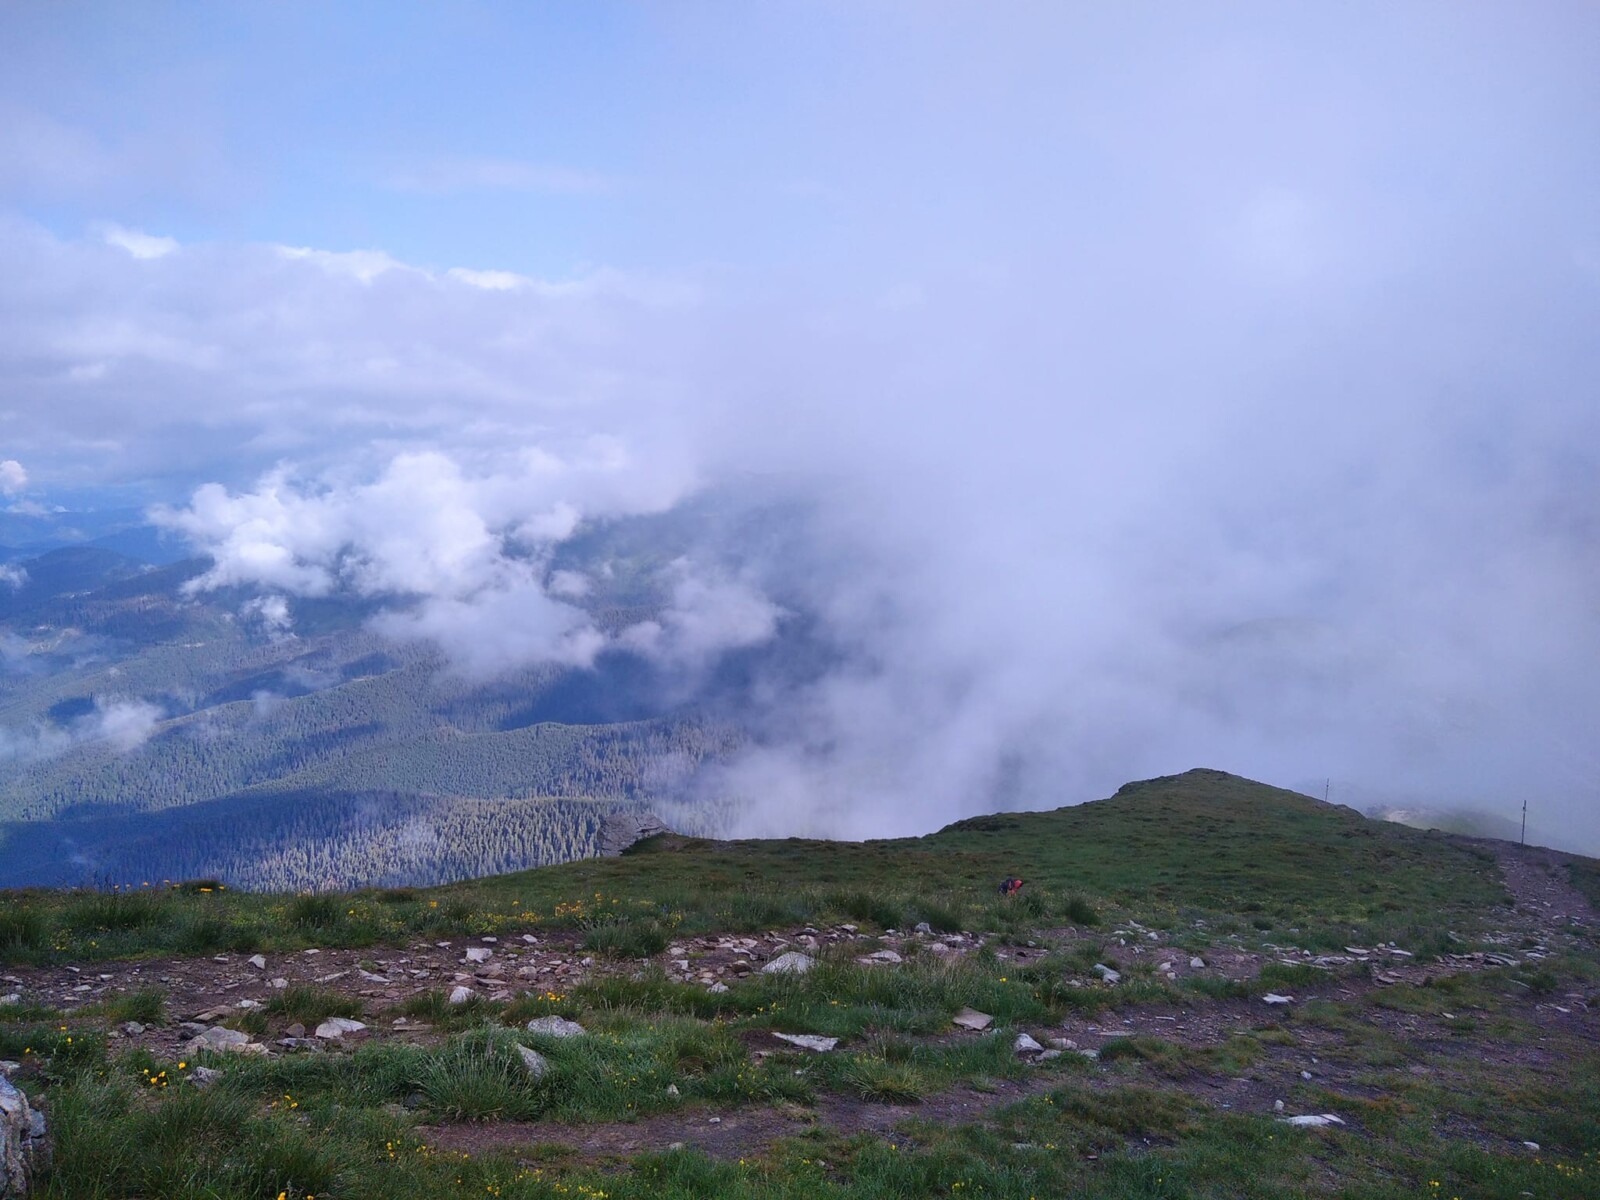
1010 887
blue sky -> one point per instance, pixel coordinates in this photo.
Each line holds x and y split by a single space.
1092 335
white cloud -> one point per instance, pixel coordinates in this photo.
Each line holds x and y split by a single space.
140 245
120 725
13 477
12 576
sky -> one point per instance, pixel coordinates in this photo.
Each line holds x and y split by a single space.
1161 388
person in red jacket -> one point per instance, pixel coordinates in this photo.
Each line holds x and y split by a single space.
1010 887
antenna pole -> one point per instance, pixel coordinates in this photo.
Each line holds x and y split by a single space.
1327 784
1524 840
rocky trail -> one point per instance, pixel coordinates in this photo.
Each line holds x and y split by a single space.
207 994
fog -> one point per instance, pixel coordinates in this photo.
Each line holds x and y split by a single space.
1144 394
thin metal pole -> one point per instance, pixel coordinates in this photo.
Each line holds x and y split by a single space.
1524 840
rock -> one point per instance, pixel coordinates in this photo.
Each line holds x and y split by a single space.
716 989
790 963
1107 974
557 1027
278 984
1197 963
258 961
11 998
1061 1043
219 1037
248 1004
132 1028
538 1066
296 1030
1026 1045
1277 1106
923 927
1047 1055
479 954
1306 1075
335 1028
24 1144
808 1041
623 829
971 1018
884 956
1274 998
203 1077
1312 1120
460 994
1091 1054
1531 1145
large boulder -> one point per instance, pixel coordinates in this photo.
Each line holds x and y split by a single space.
23 1145
623 829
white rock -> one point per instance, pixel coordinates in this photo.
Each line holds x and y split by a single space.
258 961
1274 998
1312 1120
885 956
1107 974
1197 963
460 994
538 1066
808 1041
1277 1106
923 927
1026 1045
1091 1054
479 954
558 1027
279 984
1531 1145
971 1018
672 1090
11 998
248 1004
790 963
204 1076
716 989
335 1028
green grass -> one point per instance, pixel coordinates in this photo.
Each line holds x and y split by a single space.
1143 1121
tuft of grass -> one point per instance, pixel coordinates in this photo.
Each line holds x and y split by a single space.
480 1077
315 912
112 912
886 1082
632 937
147 1005
311 1005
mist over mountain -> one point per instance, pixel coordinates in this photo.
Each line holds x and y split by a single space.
985 410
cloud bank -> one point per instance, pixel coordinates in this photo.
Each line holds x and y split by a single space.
1141 400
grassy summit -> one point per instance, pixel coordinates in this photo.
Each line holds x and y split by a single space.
1460 1031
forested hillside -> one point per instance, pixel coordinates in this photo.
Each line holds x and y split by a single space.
148 731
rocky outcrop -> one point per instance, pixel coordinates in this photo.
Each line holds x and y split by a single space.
623 829
23 1145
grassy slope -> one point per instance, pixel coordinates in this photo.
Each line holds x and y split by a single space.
1203 855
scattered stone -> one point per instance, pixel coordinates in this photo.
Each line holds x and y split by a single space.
557 1027
971 1018
132 1028
923 927
1277 1106
479 954
1531 1145
538 1066
714 1121
11 998
1090 1054
296 1030
1026 1045
258 961
460 994
1305 1075
1197 963
204 1077
716 989
1047 1055
248 1004
885 956
672 1090
278 984
335 1028
1107 974
1312 1120
791 962
219 1037
808 1041
1274 998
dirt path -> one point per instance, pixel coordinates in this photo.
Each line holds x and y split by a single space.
1538 881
